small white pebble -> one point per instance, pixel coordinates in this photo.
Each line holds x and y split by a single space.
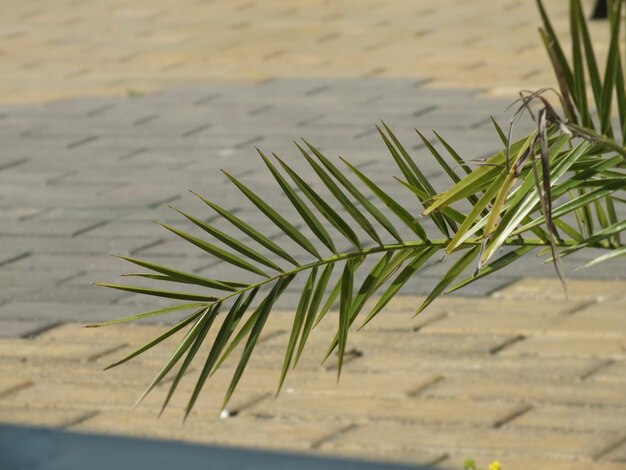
224 414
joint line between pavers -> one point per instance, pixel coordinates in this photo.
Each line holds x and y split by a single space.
609 448
15 258
516 413
506 344
81 142
106 352
429 322
248 404
16 388
595 369
333 435
14 163
424 386
43 329
80 419
579 308
89 228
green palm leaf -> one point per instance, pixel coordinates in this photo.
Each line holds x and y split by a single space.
565 176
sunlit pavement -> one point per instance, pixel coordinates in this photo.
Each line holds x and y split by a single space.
109 112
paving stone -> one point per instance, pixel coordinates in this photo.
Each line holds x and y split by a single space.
573 418
520 443
41 417
523 391
568 347
26 349
207 428
17 328
550 289
454 462
613 372
9 385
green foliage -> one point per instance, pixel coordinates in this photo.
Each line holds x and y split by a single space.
555 190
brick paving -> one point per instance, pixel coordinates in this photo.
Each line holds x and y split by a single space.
109 113
63 48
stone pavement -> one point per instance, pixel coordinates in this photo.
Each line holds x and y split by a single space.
63 48
157 96
523 377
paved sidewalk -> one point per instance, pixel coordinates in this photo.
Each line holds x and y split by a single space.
110 112
523 377
64 48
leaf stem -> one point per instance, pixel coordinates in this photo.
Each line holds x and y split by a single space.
385 248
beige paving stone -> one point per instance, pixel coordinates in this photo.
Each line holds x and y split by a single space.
556 392
526 443
390 384
496 366
59 51
456 462
287 434
405 304
568 347
550 289
615 372
9 385
118 397
501 323
41 417
574 418
609 324
79 373
27 349
618 455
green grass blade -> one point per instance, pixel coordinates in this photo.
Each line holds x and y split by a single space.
391 203
590 58
354 212
578 76
191 354
236 312
610 73
325 209
597 237
494 266
345 304
150 314
358 195
558 50
217 251
414 176
407 273
613 254
159 339
307 215
298 322
368 288
250 231
448 211
232 242
160 293
184 345
453 153
501 134
316 300
263 312
180 276
289 230
455 271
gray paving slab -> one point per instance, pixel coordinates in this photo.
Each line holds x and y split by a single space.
82 178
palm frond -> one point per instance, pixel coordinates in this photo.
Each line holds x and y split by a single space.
557 190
